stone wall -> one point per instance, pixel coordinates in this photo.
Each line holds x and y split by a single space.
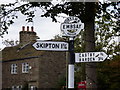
47 67
27 35
20 78
52 69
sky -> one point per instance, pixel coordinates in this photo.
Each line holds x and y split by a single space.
44 27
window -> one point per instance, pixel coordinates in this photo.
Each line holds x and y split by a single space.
14 87
25 68
33 88
17 87
14 69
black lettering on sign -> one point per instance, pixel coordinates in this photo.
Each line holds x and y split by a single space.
90 54
79 59
63 26
88 59
41 45
49 45
82 59
86 54
80 55
37 45
46 45
56 45
71 26
53 45
64 46
67 26
79 25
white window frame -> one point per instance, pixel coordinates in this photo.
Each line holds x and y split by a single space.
14 87
25 68
13 68
17 87
32 87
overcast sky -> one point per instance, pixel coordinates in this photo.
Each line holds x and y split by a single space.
44 27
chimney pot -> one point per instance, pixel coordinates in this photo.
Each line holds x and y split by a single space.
27 35
27 28
23 28
32 29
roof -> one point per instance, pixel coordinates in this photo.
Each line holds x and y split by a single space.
20 52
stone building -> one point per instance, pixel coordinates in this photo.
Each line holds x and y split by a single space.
23 66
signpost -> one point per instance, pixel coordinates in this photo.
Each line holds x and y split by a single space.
70 28
51 46
71 64
90 57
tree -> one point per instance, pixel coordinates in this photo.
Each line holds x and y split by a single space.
109 75
10 43
8 12
85 11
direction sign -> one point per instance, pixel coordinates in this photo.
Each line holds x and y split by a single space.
71 26
90 57
51 46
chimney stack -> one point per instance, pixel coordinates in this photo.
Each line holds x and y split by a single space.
27 36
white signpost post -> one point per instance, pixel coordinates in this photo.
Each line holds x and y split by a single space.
51 46
90 57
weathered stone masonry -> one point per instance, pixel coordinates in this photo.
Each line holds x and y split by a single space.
46 68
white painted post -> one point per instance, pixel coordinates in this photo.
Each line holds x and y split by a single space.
71 76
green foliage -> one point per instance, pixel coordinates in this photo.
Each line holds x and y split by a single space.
109 75
59 38
10 43
9 11
106 34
